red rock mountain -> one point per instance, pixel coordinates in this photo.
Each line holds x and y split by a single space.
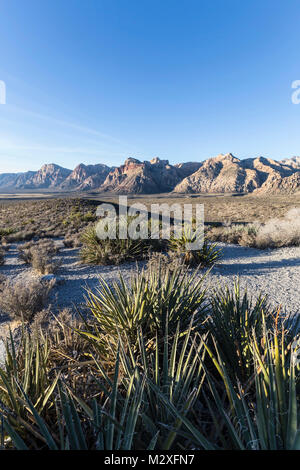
49 176
86 177
146 177
226 173
221 174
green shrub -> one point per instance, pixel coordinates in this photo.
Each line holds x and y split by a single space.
233 319
203 257
268 418
110 251
124 413
150 298
26 367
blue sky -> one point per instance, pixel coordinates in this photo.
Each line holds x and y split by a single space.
98 81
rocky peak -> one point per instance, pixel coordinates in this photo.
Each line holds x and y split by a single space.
132 161
220 174
226 173
294 162
86 176
157 161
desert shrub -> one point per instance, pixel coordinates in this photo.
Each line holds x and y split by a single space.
150 298
89 217
63 332
40 255
5 232
240 234
22 301
72 241
164 261
206 256
43 264
266 418
110 251
277 233
234 318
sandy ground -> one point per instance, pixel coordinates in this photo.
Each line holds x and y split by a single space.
272 272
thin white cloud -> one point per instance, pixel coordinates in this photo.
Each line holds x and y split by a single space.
71 125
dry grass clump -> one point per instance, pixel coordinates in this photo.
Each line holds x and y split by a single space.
243 235
275 233
23 301
164 261
63 333
43 264
40 255
72 240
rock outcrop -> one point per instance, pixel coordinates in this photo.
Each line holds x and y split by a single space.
279 185
228 174
85 177
221 174
293 162
136 177
49 176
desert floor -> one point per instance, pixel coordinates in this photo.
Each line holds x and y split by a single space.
272 272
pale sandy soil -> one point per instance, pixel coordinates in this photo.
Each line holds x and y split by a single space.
272 272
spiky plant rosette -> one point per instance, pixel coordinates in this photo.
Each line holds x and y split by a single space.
195 248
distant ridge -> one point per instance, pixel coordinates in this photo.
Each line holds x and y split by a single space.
220 174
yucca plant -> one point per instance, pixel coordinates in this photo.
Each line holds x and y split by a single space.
78 425
270 418
179 295
26 368
174 373
233 318
110 251
146 302
206 256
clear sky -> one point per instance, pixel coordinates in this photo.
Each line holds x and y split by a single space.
97 81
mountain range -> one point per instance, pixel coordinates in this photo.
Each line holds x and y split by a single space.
220 174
